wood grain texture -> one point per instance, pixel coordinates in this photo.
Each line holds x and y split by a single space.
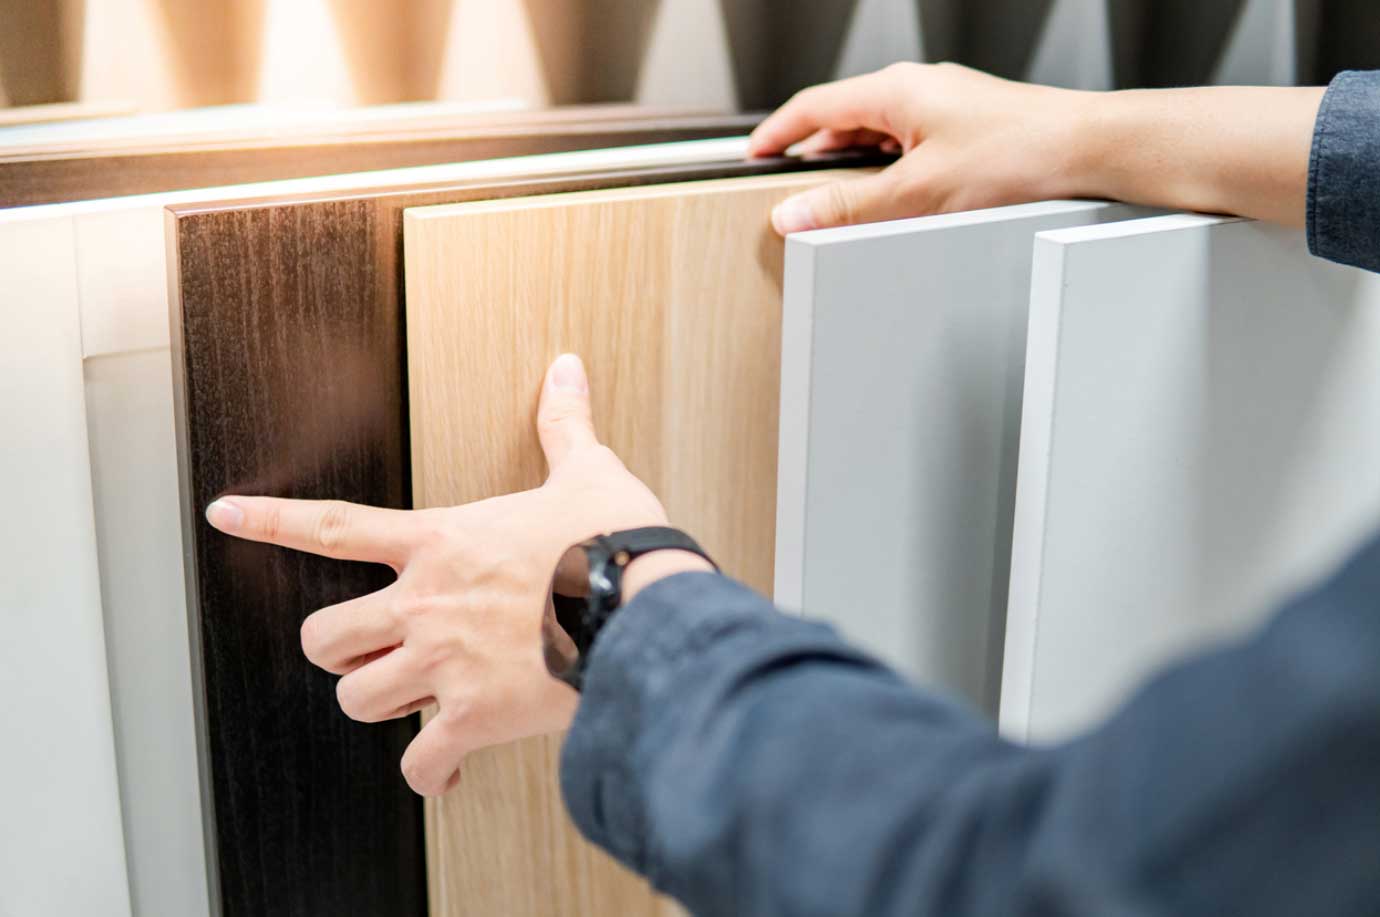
290 369
37 176
672 296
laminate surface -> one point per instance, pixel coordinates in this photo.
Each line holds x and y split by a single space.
34 177
61 844
108 260
903 355
291 367
1193 449
672 296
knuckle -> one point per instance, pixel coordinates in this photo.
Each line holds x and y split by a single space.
313 638
557 416
409 607
332 525
271 524
415 773
842 202
351 702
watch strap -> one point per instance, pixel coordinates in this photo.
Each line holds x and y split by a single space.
628 545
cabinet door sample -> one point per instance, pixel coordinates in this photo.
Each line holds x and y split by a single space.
672 296
48 173
293 384
1194 447
61 846
903 355
108 260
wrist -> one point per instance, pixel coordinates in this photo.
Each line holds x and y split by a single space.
658 565
1098 125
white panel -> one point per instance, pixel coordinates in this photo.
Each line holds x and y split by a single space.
123 281
134 472
61 846
1196 445
902 361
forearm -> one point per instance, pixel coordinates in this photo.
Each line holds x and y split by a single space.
752 763
1236 150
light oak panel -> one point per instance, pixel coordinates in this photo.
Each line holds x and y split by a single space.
672 295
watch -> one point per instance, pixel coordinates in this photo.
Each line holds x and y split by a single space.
587 588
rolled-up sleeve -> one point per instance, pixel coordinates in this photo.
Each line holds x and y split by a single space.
1344 173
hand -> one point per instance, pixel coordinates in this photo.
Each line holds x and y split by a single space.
461 625
968 140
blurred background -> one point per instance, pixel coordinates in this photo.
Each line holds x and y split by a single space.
158 55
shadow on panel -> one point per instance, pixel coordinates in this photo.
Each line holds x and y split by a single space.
997 36
779 47
591 51
1161 43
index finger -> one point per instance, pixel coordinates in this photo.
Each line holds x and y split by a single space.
331 528
844 105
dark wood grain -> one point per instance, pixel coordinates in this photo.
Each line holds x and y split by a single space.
290 377
38 176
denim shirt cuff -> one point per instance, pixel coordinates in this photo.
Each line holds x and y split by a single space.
633 664
1343 178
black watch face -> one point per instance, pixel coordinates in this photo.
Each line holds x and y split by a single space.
563 625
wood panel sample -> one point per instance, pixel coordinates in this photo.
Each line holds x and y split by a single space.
1192 450
292 383
903 354
672 296
61 846
32 175
110 255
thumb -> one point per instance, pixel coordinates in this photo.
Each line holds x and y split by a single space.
843 203
564 422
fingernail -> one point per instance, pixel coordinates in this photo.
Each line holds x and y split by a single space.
225 515
793 215
568 374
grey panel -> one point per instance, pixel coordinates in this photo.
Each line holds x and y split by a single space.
1195 447
134 482
903 351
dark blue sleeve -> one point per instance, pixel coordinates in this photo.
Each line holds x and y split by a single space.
751 763
1344 172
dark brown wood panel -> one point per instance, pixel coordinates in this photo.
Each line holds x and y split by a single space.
291 381
44 177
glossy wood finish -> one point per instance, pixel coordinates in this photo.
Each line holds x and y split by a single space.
36 176
290 366
672 296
